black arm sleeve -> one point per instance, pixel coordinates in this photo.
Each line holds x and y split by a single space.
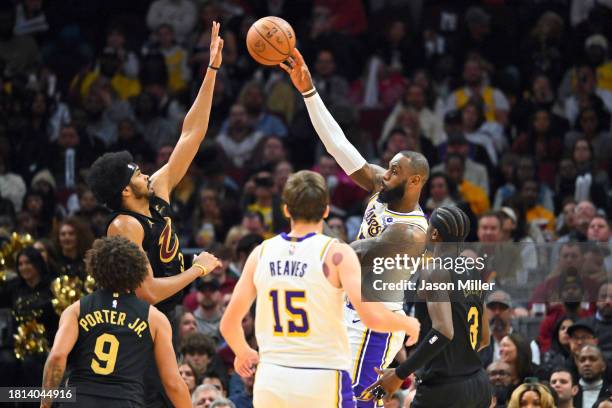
429 347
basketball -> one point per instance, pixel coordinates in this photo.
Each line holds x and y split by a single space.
270 40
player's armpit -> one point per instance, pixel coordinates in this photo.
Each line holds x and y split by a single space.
166 362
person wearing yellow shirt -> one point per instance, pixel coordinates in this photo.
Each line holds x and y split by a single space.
535 213
495 103
471 193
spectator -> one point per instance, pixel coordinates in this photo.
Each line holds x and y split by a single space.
175 57
514 350
19 52
115 41
204 396
72 239
222 403
495 102
270 151
188 374
600 232
265 201
30 18
593 378
243 397
542 142
564 384
282 171
208 219
252 97
179 14
474 172
240 139
187 324
591 183
217 382
531 395
29 297
198 350
585 94
414 98
591 126
580 334
332 87
556 349
601 322
12 186
499 310
471 193
208 314
488 135
535 213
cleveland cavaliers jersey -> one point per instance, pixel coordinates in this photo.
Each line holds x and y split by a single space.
113 348
299 315
161 244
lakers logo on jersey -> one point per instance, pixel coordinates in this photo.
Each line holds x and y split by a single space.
374 227
168 243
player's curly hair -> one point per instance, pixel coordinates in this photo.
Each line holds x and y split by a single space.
108 177
451 222
117 264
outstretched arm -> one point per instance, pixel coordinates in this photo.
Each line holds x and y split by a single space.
194 126
65 339
153 290
368 176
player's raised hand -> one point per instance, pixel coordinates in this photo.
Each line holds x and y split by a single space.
208 261
386 384
246 362
412 330
298 71
216 46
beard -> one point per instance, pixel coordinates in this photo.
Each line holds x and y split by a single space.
392 195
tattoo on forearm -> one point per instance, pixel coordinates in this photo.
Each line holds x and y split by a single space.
52 376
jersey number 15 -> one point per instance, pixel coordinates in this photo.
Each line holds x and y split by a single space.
297 322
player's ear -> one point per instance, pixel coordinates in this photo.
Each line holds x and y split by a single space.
326 212
286 211
127 191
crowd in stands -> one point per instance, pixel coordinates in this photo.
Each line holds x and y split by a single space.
510 101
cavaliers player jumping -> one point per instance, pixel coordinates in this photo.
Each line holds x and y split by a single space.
142 212
453 329
392 223
108 337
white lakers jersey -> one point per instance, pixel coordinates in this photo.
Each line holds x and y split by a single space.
377 217
299 315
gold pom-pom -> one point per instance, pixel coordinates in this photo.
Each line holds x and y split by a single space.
30 339
9 249
66 290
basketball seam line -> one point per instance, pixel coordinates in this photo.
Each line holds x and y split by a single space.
284 33
266 40
259 56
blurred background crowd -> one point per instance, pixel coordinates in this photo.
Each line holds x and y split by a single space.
510 101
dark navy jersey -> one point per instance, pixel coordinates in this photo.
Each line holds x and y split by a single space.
114 347
161 245
460 357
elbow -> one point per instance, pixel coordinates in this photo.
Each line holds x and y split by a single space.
175 386
446 330
57 358
145 293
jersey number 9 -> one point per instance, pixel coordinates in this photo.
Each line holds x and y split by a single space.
295 313
108 358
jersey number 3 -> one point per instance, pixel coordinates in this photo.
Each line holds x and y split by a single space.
295 313
106 349
472 318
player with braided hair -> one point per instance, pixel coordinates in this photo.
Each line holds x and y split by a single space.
453 328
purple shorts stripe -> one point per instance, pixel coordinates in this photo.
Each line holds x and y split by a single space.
373 356
345 389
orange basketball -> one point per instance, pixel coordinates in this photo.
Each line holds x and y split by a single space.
270 40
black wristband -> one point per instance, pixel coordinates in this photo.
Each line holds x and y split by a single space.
213 68
429 347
